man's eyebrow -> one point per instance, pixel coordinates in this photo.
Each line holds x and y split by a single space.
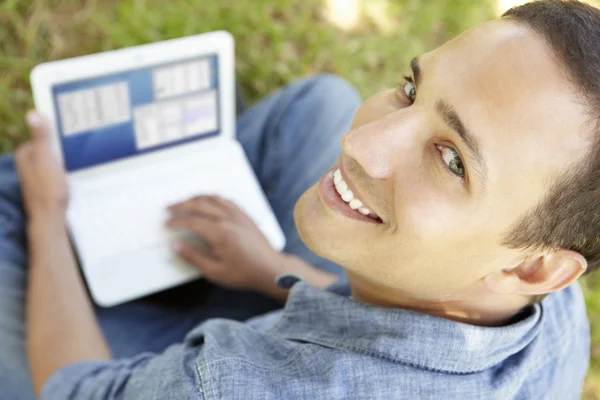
416 70
452 119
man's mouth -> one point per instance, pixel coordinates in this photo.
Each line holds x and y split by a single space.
349 197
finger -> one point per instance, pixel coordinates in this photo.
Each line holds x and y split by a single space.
203 197
23 156
232 208
200 205
205 228
207 265
37 126
23 152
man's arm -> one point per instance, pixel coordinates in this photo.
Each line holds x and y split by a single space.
61 326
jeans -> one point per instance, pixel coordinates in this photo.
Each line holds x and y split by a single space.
291 139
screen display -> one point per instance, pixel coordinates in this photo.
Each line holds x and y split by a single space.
135 112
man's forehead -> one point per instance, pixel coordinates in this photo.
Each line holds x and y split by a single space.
498 48
507 69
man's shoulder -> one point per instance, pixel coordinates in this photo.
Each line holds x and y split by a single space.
555 361
562 347
295 353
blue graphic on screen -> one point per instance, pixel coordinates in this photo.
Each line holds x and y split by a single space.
130 113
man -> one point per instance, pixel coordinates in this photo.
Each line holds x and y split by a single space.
458 201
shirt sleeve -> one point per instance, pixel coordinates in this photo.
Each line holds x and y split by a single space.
170 375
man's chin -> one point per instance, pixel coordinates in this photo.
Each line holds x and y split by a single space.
313 222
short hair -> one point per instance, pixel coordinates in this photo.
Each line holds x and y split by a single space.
568 217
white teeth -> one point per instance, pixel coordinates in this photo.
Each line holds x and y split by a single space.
342 188
355 204
347 196
337 177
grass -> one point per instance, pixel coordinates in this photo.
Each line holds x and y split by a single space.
277 41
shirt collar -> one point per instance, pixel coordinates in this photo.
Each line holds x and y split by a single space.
421 340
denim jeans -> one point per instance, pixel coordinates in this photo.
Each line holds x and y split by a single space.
291 139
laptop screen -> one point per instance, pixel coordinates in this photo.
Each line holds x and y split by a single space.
115 116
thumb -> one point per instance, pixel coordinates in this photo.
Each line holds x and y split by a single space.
37 126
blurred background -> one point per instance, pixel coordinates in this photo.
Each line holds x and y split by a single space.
368 42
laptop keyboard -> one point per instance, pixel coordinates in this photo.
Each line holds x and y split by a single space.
125 218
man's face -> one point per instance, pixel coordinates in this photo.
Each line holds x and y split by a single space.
447 192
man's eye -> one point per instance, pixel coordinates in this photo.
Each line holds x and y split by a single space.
452 160
409 89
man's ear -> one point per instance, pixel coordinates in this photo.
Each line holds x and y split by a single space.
538 274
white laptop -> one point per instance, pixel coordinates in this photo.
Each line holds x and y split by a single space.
137 130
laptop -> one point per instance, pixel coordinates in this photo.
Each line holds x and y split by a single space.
136 130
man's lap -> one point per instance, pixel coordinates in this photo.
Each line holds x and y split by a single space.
291 139
13 363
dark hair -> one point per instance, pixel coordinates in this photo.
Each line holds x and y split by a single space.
569 215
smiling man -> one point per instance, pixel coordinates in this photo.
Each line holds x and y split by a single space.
463 207
487 149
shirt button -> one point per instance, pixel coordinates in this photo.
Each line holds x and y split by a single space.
286 281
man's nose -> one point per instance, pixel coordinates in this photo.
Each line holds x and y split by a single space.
382 146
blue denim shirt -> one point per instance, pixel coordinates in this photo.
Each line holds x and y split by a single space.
325 345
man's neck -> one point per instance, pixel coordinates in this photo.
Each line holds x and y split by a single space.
475 306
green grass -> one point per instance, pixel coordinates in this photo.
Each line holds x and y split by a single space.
277 41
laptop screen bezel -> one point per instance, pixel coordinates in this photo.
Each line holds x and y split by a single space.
45 76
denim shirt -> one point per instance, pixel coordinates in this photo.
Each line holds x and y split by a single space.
325 345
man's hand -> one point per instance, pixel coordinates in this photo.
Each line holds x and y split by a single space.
241 258
43 180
